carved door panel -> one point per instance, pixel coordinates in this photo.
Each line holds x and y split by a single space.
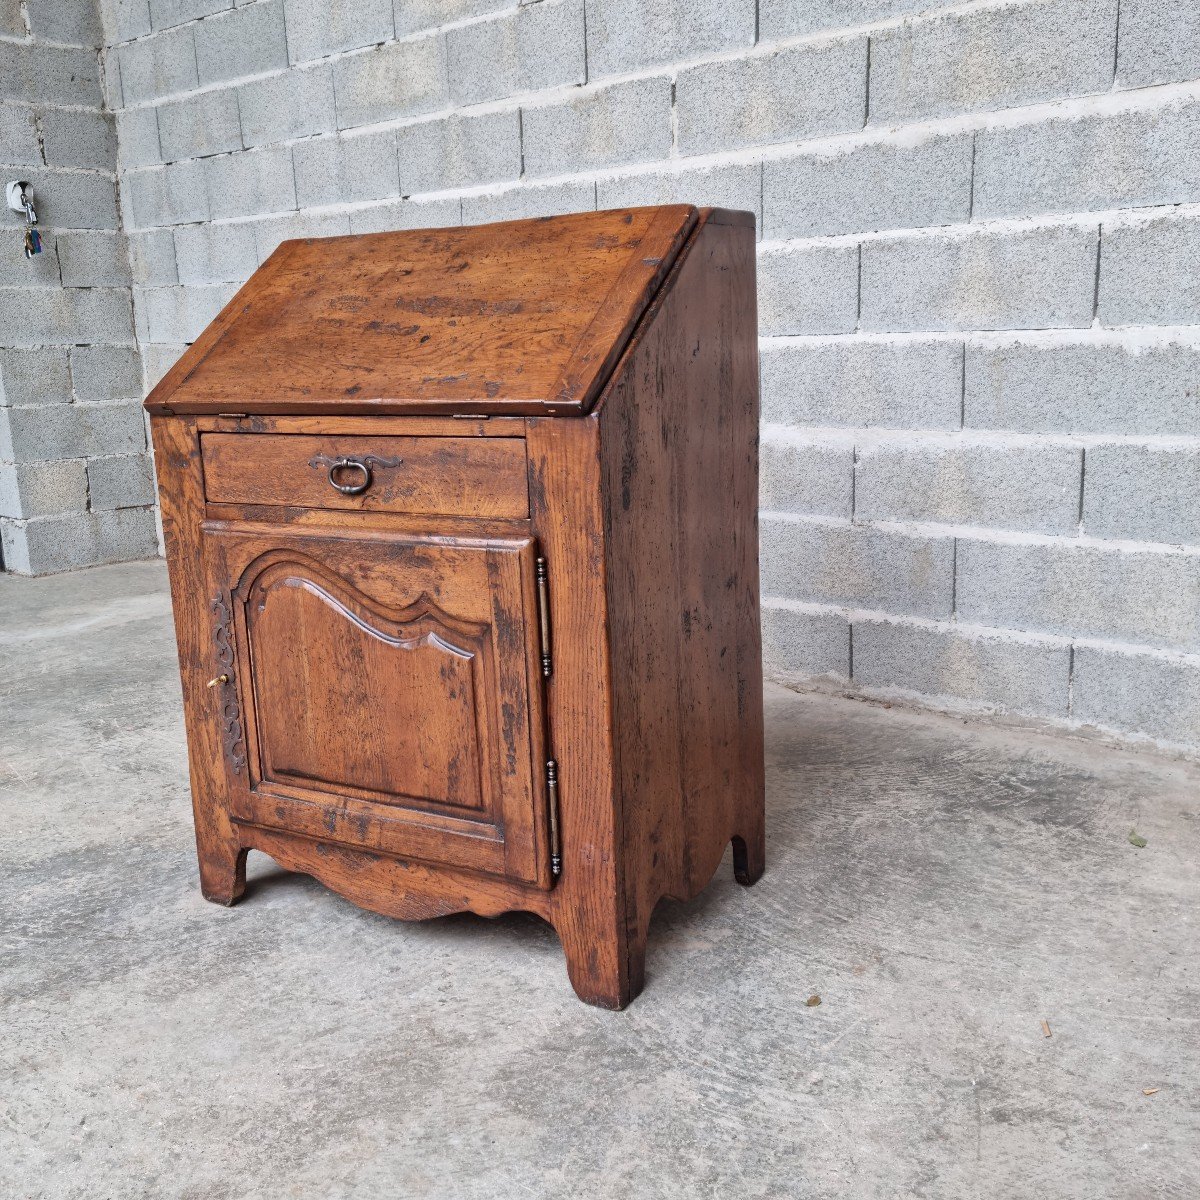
383 691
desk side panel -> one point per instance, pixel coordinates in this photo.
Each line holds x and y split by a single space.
679 436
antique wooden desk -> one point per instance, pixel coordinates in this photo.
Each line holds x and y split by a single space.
462 536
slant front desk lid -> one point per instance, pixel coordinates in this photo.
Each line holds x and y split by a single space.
520 317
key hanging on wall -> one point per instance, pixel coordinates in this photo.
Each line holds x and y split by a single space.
19 200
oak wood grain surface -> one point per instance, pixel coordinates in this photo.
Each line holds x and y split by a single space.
679 440
525 316
384 692
479 477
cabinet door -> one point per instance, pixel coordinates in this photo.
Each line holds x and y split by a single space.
383 691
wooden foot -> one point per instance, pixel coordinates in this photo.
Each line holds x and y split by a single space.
749 857
607 967
222 870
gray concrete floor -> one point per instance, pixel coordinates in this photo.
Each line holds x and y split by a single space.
943 888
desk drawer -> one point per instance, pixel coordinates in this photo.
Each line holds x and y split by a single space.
471 477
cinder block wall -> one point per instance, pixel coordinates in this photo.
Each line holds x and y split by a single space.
980 293
75 479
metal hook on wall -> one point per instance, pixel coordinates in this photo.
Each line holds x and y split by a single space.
16 193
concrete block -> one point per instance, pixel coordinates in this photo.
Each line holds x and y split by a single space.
110 81
49 544
74 24
1085 383
170 195
458 151
856 566
79 137
251 183
67 317
1023 279
291 105
124 20
120 481
962 482
29 377
224 253
316 28
12 20
125 196
1131 692
19 136
1125 159
992 57
1150 272
106 372
625 123
800 92
180 314
152 258
791 18
244 41
91 258
157 360
41 74
401 79
165 13
137 138
859 381
1150 597
269 233
333 170
1143 493
728 185
406 214
798 644
800 475
626 35
1160 42
158 66
141 322
43 489
200 125
535 47
16 270
529 201
68 199
877 185
813 290
70 431
76 200
1020 675
414 16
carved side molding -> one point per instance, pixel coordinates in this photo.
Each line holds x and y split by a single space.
233 738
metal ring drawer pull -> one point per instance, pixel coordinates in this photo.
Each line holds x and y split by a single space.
350 464
360 465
